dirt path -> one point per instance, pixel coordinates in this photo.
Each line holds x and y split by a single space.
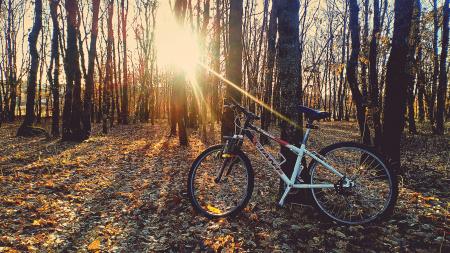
126 192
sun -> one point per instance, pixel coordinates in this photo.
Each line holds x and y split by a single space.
176 45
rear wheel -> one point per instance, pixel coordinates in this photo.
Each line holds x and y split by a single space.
219 184
367 192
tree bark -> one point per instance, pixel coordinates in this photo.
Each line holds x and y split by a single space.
203 75
26 128
107 98
54 81
374 93
289 77
352 68
431 98
72 102
269 70
421 79
124 109
443 78
179 87
340 97
365 50
89 91
396 83
234 63
412 65
216 64
12 74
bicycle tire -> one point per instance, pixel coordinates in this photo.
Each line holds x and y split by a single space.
391 176
191 180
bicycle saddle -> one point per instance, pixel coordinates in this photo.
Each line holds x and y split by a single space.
314 114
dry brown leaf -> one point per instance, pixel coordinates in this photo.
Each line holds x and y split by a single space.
94 245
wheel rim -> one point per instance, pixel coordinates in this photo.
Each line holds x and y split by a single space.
224 197
367 199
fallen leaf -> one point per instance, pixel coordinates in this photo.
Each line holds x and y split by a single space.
95 245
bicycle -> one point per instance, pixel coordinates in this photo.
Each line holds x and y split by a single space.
349 182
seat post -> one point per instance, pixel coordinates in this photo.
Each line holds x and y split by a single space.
305 136
309 126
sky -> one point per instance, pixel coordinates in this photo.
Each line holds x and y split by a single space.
169 36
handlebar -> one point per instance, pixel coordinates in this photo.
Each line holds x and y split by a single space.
235 105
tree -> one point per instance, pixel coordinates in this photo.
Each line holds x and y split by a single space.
412 65
12 74
107 97
54 64
431 97
396 82
216 63
443 79
203 75
352 67
374 93
268 71
89 91
71 128
26 128
234 63
179 103
124 109
365 48
288 72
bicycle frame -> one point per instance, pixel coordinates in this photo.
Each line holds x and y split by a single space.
276 165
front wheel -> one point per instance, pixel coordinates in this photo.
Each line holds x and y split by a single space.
219 184
368 190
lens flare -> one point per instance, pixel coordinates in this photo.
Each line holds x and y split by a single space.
255 99
177 45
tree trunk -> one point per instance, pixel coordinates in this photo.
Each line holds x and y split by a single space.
341 77
54 81
89 91
268 79
365 50
179 89
72 102
352 68
432 93
421 79
26 128
443 79
107 98
41 71
1 96
124 109
234 64
412 65
396 82
12 82
216 65
420 98
289 77
203 75
374 93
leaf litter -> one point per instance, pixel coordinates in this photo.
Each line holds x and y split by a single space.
126 192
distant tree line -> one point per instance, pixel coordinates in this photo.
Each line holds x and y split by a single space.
382 63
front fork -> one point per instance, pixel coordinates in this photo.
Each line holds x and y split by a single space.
232 144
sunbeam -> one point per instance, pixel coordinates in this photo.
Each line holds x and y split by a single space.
255 99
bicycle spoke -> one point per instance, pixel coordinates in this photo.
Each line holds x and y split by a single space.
368 193
219 185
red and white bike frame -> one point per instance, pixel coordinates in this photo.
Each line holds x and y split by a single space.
300 152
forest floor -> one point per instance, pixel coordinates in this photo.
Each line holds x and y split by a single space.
126 192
